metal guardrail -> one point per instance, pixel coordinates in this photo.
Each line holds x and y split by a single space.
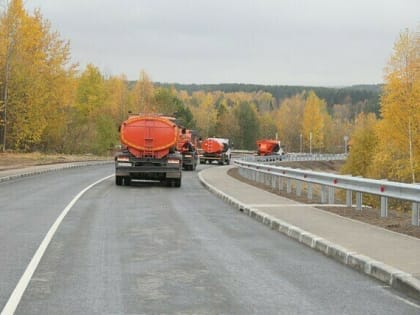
257 171
269 159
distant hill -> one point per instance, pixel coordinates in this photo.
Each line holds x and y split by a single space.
356 94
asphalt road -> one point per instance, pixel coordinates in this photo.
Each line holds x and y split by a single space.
148 249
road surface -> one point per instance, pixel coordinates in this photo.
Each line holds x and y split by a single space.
149 249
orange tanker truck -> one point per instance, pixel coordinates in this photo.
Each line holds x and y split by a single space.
215 149
187 145
148 151
269 147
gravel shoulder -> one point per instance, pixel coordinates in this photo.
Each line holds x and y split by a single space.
10 161
396 221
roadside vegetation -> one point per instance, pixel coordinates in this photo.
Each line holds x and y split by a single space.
13 160
49 105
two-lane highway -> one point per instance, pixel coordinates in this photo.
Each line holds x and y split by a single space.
148 249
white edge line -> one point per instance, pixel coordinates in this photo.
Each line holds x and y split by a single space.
20 288
407 301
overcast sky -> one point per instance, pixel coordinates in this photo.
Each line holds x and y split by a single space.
278 42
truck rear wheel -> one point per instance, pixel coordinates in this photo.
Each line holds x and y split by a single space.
118 180
127 180
177 182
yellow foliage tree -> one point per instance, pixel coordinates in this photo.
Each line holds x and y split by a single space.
37 80
314 119
363 141
398 153
142 95
205 113
116 103
288 119
268 128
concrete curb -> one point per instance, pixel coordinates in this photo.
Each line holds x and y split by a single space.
52 168
397 279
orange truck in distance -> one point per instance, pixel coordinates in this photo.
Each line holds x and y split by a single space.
215 149
269 147
187 146
148 151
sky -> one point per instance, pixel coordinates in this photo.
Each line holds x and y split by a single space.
272 42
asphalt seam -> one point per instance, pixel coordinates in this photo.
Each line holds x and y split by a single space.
395 278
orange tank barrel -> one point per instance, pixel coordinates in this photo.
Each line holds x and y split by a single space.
152 136
211 146
266 146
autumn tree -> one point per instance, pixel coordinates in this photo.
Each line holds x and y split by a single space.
268 128
92 128
116 102
226 126
398 153
205 113
314 119
167 102
363 142
36 79
288 119
142 95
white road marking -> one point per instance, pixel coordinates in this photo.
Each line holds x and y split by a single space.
407 302
17 293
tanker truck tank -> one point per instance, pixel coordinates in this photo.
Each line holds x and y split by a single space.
216 149
148 151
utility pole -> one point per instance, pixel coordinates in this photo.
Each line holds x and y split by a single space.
301 144
310 142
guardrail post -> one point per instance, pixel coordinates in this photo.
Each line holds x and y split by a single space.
384 206
331 195
359 200
273 181
349 198
298 188
324 194
415 214
310 195
289 185
281 183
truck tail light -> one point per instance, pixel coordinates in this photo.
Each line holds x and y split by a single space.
123 158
